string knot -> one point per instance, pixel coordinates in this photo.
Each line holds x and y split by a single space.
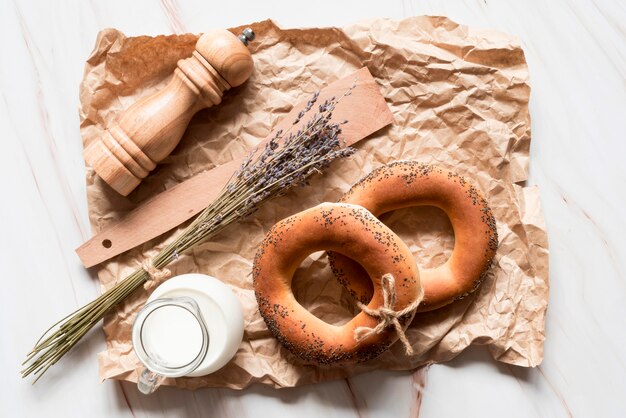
156 275
387 314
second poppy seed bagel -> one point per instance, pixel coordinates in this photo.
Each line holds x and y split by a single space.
354 232
408 183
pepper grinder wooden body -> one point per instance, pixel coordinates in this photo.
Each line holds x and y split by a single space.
150 129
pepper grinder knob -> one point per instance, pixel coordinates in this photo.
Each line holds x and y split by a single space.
247 36
149 130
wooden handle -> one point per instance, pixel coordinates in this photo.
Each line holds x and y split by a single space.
365 110
150 129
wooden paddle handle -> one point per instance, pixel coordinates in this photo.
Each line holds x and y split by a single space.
150 129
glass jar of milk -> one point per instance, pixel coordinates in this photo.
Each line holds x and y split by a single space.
191 325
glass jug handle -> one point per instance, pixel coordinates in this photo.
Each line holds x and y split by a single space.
149 381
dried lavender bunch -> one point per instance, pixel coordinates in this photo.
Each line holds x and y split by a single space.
287 160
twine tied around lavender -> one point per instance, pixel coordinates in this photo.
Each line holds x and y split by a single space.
156 275
387 314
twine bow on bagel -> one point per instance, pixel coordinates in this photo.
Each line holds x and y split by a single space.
156 275
387 314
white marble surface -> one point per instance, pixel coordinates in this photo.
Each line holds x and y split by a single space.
576 52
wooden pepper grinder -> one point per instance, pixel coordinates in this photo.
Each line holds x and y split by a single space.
150 129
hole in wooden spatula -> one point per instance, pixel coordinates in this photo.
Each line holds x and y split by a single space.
107 243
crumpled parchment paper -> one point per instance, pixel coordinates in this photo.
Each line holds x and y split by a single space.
459 96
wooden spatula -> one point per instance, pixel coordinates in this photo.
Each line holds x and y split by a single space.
365 110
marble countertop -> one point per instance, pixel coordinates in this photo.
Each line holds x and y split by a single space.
576 51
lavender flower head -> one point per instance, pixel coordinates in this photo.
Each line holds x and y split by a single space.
288 159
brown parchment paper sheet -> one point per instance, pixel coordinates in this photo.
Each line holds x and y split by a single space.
459 97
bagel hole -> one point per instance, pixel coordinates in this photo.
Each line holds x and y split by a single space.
315 288
427 232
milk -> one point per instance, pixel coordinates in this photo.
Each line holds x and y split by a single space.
174 336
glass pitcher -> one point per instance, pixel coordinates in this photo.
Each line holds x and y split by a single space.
170 338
